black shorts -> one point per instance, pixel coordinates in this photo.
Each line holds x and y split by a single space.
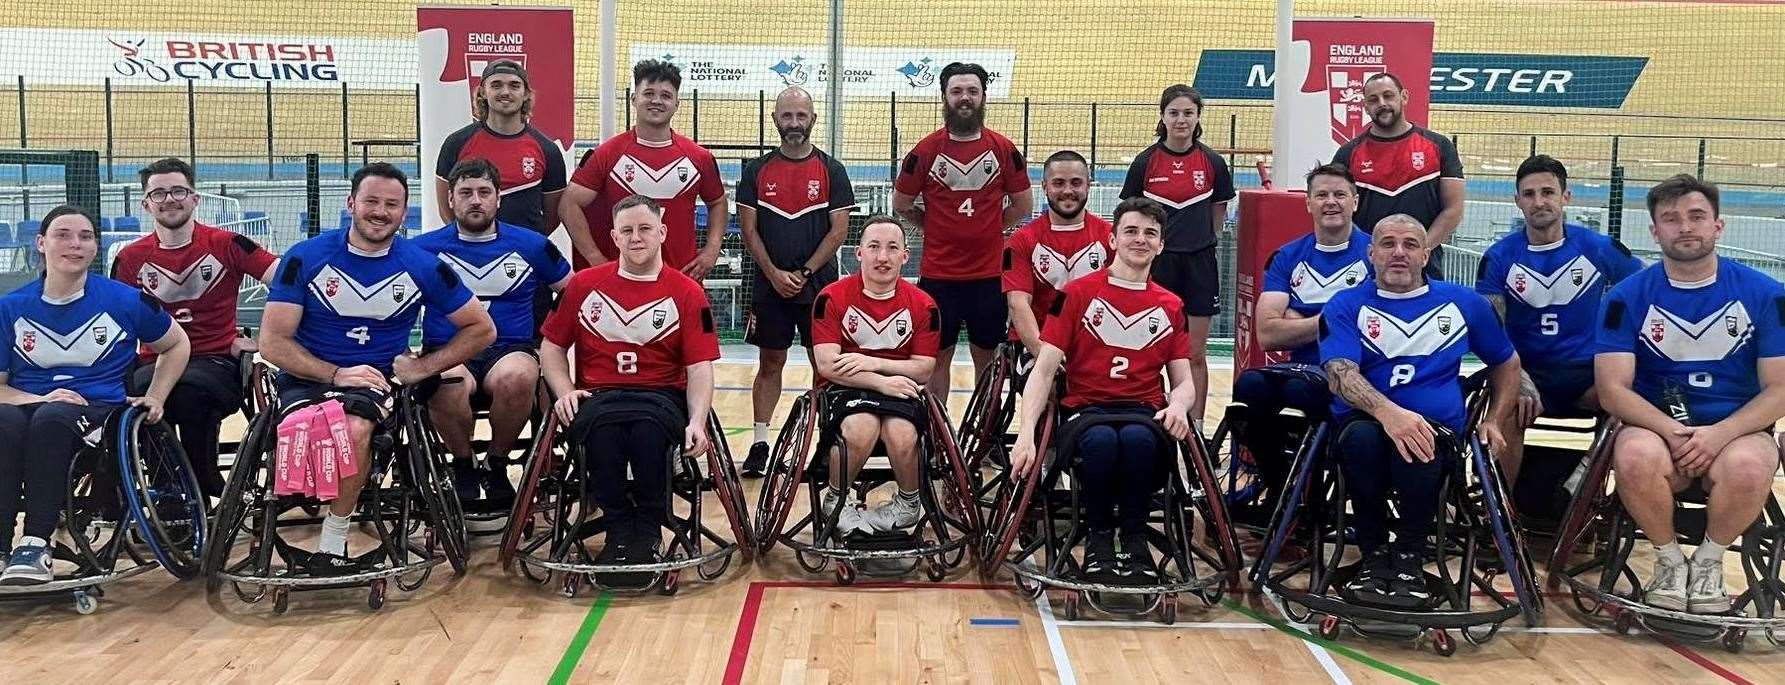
1195 277
774 321
479 365
365 403
1561 387
841 401
980 303
211 388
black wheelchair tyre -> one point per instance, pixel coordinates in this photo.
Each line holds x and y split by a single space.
426 463
155 469
239 496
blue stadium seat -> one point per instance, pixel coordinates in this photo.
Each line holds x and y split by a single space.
122 224
412 219
346 219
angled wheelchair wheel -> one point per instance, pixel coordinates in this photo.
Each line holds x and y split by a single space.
729 487
95 516
786 470
541 461
242 495
162 492
426 463
983 425
1011 503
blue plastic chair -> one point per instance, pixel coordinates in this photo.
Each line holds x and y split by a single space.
123 224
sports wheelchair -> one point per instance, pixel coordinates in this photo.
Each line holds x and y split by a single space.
1476 539
408 501
1035 524
552 520
802 455
985 436
1597 536
133 495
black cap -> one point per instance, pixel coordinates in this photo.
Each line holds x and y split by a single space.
506 66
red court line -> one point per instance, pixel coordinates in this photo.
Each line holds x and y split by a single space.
752 609
1693 656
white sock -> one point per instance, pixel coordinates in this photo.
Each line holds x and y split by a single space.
32 540
334 535
762 431
908 497
1671 551
1710 550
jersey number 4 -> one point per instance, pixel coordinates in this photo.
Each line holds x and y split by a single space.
966 208
359 334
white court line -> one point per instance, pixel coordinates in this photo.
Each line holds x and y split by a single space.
1204 625
1320 654
1051 627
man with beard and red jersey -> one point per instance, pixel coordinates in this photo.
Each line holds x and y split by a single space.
793 209
1061 245
654 161
973 184
875 340
645 345
1402 168
195 271
1118 335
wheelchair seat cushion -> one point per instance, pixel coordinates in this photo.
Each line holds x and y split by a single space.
665 407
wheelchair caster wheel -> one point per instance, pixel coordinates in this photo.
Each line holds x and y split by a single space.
281 600
1624 622
1071 602
1733 639
845 573
85 604
1168 610
375 595
672 582
1329 628
572 583
1442 643
934 570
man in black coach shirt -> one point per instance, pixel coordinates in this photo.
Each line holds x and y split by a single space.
1402 168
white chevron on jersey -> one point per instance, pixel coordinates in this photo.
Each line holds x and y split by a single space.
1391 192
662 184
1432 331
500 276
1126 331
1058 270
869 333
967 176
1313 287
1705 340
1161 199
169 287
348 297
1559 287
642 325
84 346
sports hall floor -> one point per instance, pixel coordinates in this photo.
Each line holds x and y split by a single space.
768 622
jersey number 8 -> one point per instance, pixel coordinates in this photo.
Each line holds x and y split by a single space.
627 362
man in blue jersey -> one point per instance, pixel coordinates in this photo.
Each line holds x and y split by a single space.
1391 354
1691 357
73 342
1299 278
505 266
337 324
1547 282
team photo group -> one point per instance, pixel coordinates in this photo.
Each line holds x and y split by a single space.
565 402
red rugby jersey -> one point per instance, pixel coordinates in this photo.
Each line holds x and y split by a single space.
633 333
898 327
962 184
674 173
197 283
1118 337
1041 258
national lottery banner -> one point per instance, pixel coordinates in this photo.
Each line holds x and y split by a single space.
454 46
1320 85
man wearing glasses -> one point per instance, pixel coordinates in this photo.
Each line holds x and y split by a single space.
194 272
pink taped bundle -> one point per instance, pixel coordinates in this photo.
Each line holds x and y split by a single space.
314 452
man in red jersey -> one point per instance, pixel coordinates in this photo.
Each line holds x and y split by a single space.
1403 168
1117 334
195 271
528 161
1061 245
654 161
973 184
645 345
875 338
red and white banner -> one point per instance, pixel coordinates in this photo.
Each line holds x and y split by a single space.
1268 219
454 46
1320 85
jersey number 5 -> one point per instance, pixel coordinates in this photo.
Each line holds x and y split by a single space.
1548 325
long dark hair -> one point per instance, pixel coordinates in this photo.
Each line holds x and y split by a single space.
1173 92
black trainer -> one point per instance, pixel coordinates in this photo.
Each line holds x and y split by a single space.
1101 565
466 481
1408 584
497 489
756 465
1373 574
327 565
1135 562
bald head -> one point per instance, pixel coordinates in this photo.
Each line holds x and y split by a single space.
1402 220
794 117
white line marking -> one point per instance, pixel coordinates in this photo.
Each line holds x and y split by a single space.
1206 625
1320 654
1051 627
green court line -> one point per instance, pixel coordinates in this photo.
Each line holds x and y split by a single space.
735 431
574 652
1331 646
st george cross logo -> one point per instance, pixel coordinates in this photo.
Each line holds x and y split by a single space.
1297 283
812 189
1042 263
100 334
152 280
1419 161
853 323
1657 329
1097 317
1374 326
1518 282
30 341
595 311
630 172
334 286
1444 325
1200 178
529 166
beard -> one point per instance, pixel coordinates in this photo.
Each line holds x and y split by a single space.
964 123
1392 117
794 135
1680 253
179 220
470 225
1074 214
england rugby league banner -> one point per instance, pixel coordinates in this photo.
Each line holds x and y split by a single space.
454 44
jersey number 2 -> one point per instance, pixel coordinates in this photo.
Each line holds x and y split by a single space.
1118 367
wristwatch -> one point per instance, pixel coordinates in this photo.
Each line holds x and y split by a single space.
804 272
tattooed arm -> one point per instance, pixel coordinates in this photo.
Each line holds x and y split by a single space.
1412 436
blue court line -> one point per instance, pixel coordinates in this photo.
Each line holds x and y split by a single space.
994 622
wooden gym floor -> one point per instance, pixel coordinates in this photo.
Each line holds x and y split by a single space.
768 622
